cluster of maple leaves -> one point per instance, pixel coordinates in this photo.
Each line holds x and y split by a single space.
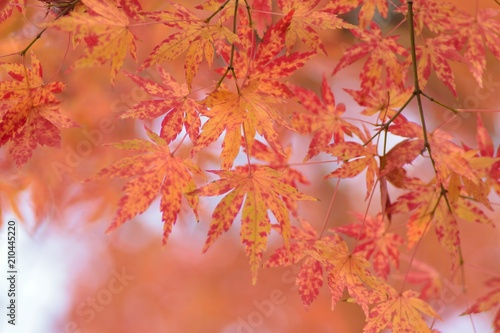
254 52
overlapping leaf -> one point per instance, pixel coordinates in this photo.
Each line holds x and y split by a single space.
253 108
346 271
430 205
356 158
29 111
278 161
155 172
382 54
258 189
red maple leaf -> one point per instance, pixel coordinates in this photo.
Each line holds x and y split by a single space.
374 240
258 189
324 120
29 111
172 99
488 302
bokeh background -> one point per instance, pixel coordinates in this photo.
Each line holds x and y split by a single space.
75 279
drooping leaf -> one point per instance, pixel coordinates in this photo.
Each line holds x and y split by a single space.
154 172
488 302
255 191
29 111
402 312
105 30
172 100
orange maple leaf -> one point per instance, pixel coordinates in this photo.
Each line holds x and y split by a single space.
306 20
435 54
310 277
6 7
474 34
105 30
382 54
374 240
252 109
366 12
383 99
427 205
488 302
346 270
356 158
154 172
324 121
196 36
170 98
401 312
258 189
29 111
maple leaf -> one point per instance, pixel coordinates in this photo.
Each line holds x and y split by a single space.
278 161
310 277
261 15
264 63
105 31
429 204
356 158
346 270
154 172
488 302
422 273
6 7
366 12
374 240
486 149
382 53
305 21
231 112
324 120
252 109
474 34
196 36
448 157
29 111
437 15
382 99
171 98
258 189
434 54
399 311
